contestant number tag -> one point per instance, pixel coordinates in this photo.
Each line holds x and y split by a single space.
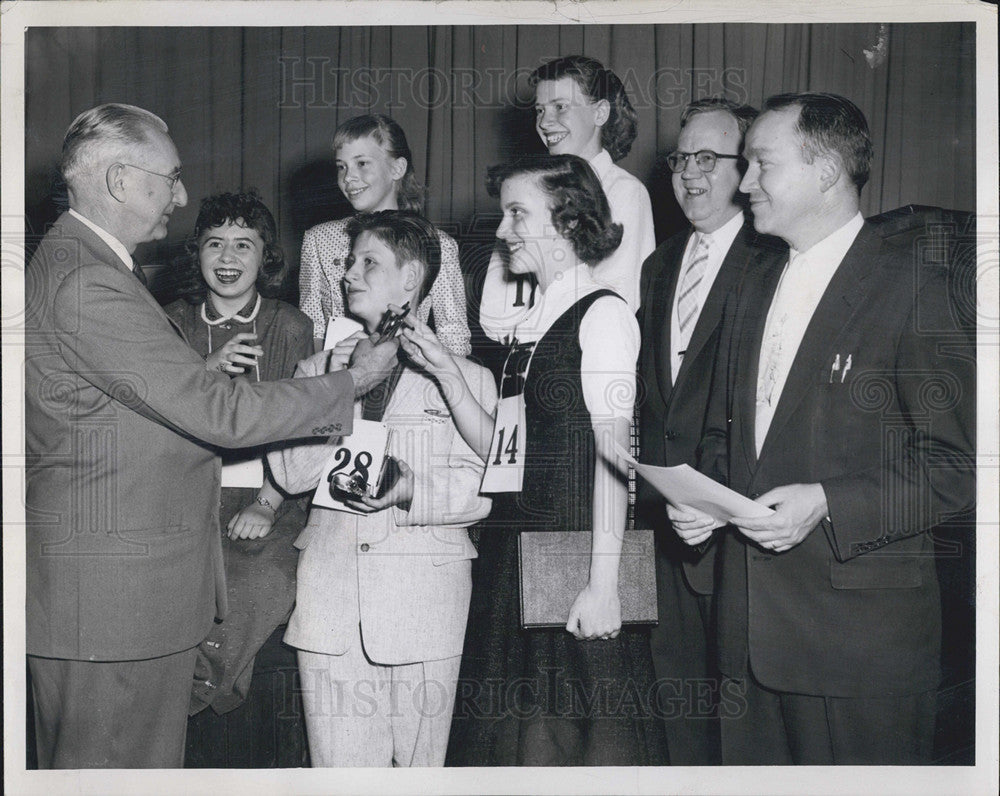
340 329
505 465
364 453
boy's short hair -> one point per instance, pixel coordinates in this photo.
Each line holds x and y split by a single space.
409 235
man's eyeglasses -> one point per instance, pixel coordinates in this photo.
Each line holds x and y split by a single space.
171 178
704 159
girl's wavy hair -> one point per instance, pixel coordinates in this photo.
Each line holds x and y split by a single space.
580 211
249 210
598 84
390 136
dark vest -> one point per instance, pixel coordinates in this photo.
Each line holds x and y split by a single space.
558 487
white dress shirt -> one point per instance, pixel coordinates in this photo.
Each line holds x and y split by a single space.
629 202
609 340
722 241
803 283
630 207
116 245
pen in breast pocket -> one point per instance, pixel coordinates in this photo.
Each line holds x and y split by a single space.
847 367
835 368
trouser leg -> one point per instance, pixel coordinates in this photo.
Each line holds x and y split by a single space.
114 714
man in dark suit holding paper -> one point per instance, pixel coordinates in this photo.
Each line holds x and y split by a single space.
684 284
849 406
124 560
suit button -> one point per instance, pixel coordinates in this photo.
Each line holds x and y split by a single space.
365 548
670 436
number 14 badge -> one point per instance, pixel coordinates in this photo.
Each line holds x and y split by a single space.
505 464
355 466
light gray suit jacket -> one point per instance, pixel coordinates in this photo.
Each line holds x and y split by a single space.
405 576
123 554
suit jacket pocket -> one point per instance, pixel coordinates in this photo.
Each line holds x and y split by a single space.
877 572
452 547
308 534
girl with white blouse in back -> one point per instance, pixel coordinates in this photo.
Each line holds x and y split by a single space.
581 109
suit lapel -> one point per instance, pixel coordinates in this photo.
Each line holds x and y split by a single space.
102 253
178 329
141 291
733 267
407 394
663 293
833 315
761 283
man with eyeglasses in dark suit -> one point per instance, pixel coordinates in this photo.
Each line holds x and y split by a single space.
684 286
849 409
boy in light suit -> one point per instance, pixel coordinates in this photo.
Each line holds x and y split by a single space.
383 597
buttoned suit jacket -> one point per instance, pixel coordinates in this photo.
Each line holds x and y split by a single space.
404 575
672 414
853 610
124 559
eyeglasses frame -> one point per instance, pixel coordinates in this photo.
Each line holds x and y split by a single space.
172 180
687 155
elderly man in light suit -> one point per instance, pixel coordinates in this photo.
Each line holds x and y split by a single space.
382 598
124 562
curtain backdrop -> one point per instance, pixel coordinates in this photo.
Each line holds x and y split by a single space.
256 107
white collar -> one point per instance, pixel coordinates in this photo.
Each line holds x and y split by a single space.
226 318
834 246
113 243
724 236
568 288
570 282
601 162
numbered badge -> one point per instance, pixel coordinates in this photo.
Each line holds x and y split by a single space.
354 467
505 464
506 297
340 329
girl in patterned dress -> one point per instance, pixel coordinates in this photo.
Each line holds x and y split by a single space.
375 172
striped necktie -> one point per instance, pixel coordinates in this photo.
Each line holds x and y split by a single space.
687 298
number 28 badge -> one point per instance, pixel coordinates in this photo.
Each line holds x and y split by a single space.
355 466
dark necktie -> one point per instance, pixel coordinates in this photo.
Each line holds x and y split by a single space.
375 401
140 274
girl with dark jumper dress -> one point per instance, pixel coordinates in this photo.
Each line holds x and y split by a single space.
583 694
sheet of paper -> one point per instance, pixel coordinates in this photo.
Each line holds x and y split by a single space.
339 328
364 450
249 473
684 485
